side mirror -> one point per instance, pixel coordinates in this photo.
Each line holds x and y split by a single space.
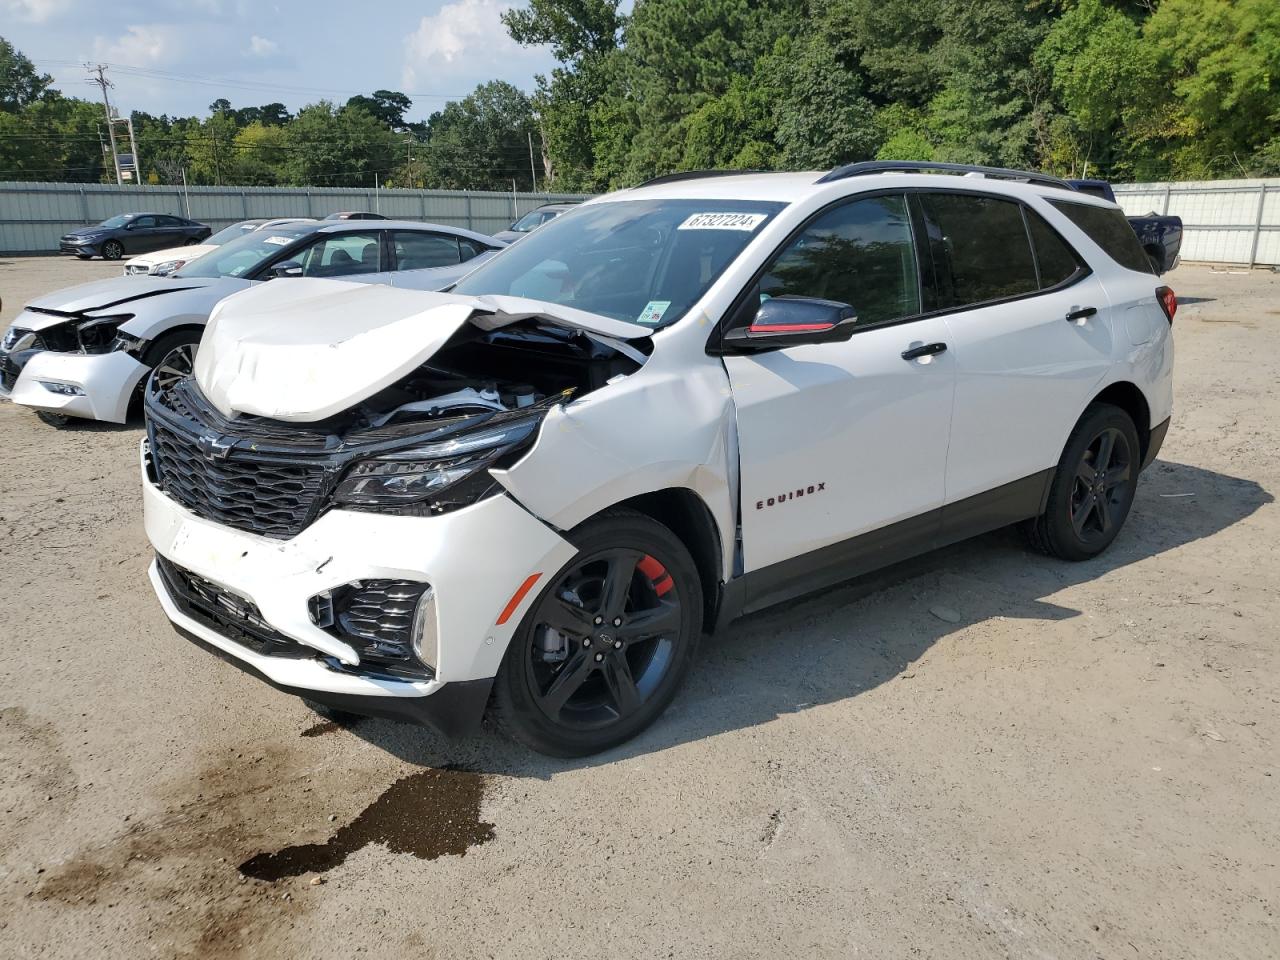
788 321
131 225
288 268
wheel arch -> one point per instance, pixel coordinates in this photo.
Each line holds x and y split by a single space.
1128 396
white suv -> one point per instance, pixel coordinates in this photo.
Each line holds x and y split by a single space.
669 407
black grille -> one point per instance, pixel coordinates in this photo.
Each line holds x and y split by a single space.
376 618
380 611
228 614
248 493
223 477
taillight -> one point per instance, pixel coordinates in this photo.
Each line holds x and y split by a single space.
1168 302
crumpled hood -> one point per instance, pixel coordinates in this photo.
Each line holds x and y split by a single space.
303 350
115 291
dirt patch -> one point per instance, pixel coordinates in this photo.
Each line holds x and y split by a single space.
430 814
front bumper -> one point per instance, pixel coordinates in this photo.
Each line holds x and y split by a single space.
106 381
475 559
91 249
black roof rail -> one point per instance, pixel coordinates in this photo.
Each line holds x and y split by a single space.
921 166
698 175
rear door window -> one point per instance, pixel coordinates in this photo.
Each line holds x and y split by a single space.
1108 228
981 250
418 251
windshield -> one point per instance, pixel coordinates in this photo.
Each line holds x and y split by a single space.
233 231
115 223
644 261
528 222
235 258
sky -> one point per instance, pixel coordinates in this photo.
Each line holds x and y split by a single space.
177 57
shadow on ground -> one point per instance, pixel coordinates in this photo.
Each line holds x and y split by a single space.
817 650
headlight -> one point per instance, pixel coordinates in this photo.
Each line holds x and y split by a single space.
98 334
433 477
166 268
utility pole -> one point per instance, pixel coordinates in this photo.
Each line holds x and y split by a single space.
533 172
98 75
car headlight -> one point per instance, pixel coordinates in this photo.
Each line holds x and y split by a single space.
166 268
98 334
434 477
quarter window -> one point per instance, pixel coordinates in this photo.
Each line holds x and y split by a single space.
859 253
980 247
1108 228
1057 261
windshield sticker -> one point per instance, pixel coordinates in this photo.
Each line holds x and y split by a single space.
723 221
653 311
279 241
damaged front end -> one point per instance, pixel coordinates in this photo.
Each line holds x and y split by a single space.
420 447
83 334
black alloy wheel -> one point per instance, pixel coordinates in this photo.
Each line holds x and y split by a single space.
606 644
1093 488
1103 485
112 250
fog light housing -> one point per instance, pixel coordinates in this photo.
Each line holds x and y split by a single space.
426 641
62 389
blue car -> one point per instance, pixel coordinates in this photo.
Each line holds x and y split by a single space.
130 233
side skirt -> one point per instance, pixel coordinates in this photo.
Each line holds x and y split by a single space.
823 568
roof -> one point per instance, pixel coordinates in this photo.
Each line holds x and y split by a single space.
793 187
359 226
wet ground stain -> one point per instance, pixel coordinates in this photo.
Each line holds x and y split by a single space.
430 814
320 729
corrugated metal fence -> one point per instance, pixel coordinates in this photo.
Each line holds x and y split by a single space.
34 215
1223 221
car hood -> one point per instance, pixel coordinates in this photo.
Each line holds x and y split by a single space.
88 231
112 292
187 253
303 350
509 236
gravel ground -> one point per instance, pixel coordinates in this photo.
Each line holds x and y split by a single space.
1083 764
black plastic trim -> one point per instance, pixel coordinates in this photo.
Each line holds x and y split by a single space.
1154 441
868 552
455 710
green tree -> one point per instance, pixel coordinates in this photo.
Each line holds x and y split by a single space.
482 141
337 146
20 83
387 106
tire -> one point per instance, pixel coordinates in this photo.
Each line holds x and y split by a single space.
112 250
1087 506
165 358
191 242
55 420
602 678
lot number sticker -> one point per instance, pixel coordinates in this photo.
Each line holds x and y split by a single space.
279 241
723 221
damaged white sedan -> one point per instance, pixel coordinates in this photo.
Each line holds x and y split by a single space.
671 406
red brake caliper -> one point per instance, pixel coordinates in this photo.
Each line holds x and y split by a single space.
657 575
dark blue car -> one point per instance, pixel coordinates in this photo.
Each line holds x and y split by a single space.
130 233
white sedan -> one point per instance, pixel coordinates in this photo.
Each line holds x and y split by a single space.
161 263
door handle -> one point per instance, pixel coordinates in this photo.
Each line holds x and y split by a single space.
1081 313
928 350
